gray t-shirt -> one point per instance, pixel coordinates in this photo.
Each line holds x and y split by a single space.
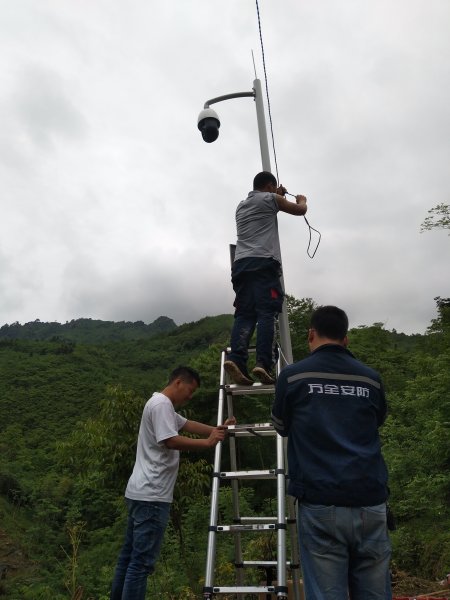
257 227
156 468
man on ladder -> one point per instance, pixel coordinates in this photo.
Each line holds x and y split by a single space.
255 276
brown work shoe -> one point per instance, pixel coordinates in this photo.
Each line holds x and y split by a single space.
235 374
264 375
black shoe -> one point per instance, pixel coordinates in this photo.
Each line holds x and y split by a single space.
235 373
264 375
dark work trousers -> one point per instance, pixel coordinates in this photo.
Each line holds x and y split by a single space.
259 299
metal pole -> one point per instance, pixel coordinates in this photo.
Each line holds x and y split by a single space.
283 321
263 143
285 334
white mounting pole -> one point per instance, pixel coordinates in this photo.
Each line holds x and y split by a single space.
285 334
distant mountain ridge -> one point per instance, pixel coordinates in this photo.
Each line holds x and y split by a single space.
87 331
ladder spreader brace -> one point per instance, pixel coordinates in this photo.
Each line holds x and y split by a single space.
243 526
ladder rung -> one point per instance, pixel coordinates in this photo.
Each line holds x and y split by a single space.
251 429
254 527
257 426
265 564
251 349
246 390
260 589
249 520
262 474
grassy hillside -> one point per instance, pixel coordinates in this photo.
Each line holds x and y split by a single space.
89 331
69 417
46 388
54 383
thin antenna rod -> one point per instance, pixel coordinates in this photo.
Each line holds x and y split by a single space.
254 66
267 92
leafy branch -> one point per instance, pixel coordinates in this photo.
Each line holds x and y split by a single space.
439 218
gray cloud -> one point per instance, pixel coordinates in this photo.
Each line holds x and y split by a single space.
113 207
44 107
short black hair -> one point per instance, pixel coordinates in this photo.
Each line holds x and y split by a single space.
262 179
186 374
330 322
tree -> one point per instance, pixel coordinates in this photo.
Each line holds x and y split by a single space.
417 452
439 218
442 323
299 313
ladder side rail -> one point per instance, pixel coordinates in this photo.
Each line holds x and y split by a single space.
293 534
214 514
238 556
281 518
281 489
291 510
295 553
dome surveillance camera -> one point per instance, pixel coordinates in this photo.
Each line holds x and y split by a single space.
209 123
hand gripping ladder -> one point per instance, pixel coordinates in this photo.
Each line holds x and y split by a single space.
242 527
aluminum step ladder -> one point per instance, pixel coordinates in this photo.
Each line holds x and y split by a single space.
282 524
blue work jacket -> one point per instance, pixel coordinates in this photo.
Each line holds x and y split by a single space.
330 407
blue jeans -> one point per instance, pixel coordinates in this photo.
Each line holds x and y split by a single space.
143 538
259 299
344 552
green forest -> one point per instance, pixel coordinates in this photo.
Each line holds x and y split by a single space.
71 398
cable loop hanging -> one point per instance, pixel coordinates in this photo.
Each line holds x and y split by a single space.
311 229
310 236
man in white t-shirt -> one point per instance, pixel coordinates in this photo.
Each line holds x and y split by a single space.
149 491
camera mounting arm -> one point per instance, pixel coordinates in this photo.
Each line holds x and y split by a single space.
209 123
229 97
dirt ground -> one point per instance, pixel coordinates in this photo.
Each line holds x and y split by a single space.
407 585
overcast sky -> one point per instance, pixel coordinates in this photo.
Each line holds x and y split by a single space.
112 206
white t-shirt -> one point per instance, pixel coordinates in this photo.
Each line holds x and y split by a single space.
156 468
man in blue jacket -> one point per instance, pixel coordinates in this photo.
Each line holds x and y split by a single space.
330 407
